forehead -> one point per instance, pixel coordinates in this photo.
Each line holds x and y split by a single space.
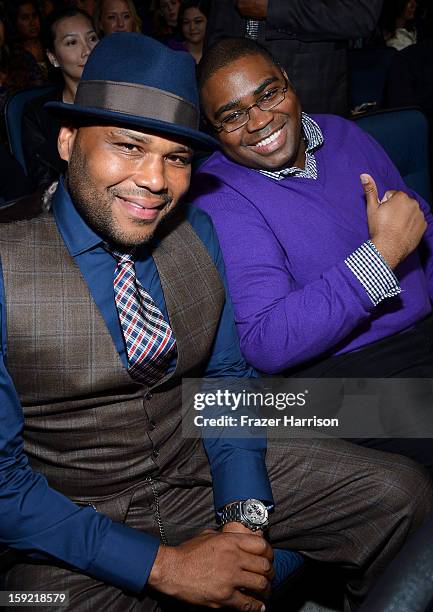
72 24
167 3
192 12
238 80
26 9
115 5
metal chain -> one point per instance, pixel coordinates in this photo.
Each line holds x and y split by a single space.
164 539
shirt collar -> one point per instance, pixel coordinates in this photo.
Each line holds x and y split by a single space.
77 235
312 133
313 137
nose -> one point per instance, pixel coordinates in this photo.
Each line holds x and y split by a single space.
151 174
85 51
258 119
120 22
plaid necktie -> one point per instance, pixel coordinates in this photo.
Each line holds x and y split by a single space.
149 340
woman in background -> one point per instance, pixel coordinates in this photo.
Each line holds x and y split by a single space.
25 24
193 16
165 20
46 7
69 37
86 5
398 25
116 16
18 68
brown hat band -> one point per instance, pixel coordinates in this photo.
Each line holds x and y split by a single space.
139 100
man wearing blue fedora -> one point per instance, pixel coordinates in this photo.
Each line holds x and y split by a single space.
111 297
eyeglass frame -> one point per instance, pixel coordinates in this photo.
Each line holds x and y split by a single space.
220 127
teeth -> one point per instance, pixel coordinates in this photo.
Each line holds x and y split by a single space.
131 203
269 139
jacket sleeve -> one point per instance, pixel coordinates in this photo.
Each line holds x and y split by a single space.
42 167
324 19
44 523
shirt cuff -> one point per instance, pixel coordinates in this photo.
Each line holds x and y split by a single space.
249 479
372 271
125 558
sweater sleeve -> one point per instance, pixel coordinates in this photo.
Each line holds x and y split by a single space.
279 323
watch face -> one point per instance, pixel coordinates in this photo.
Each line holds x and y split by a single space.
255 512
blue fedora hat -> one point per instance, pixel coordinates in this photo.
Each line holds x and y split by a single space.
134 80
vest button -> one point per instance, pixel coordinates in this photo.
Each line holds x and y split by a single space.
155 453
148 395
152 425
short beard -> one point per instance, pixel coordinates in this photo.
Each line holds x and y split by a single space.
96 208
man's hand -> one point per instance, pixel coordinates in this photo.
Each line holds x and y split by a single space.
252 9
216 570
396 223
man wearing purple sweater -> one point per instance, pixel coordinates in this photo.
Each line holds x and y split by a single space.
323 273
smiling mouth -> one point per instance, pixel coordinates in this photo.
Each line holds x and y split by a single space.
146 205
265 142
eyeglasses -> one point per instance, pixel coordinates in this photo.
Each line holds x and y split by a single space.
266 102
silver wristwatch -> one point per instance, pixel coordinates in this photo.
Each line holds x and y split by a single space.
252 513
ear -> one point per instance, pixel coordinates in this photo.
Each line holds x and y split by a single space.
52 59
288 80
66 140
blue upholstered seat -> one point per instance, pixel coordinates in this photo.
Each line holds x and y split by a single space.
13 113
403 133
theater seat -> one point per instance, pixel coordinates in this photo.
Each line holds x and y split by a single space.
368 70
13 113
403 133
407 583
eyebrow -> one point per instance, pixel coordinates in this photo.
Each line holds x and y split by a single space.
143 139
236 102
183 149
91 31
132 135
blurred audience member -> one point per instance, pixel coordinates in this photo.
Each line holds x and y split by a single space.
86 5
398 23
170 11
18 68
308 39
165 14
46 7
69 37
26 28
116 16
192 19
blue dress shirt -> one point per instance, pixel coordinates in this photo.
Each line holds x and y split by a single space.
42 521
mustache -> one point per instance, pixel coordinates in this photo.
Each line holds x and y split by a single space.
162 198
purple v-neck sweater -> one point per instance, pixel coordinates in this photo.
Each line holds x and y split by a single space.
284 245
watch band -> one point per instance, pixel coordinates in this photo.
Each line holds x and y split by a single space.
235 513
231 514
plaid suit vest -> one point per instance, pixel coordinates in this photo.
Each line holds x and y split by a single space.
89 428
